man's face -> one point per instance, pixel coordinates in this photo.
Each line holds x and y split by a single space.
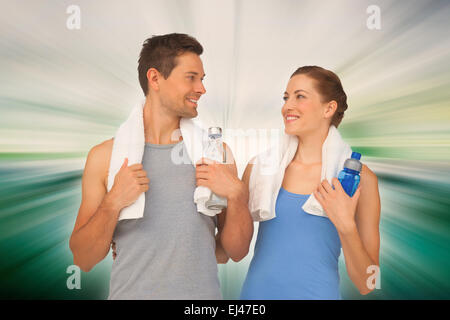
180 92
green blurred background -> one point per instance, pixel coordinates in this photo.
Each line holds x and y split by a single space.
63 91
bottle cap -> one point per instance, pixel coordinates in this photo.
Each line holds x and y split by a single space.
356 155
353 163
215 131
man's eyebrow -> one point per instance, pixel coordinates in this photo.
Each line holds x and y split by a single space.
296 91
195 73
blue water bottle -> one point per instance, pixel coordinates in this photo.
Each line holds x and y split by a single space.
349 176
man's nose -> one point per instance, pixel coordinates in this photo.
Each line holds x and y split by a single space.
201 88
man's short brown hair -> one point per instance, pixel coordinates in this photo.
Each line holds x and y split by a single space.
160 52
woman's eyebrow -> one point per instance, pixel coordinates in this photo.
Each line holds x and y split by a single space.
300 90
296 91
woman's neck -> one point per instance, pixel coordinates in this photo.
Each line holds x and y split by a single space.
309 150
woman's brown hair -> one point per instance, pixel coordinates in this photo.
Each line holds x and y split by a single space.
329 87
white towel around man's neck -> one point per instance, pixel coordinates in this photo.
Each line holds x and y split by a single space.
129 142
269 167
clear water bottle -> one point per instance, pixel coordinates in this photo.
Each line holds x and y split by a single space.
349 176
215 151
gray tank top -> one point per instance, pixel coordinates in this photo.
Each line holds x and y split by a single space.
170 252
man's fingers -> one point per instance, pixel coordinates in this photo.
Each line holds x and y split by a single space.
140 173
143 180
136 166
202 182
124 164
205 161
201 168
201 175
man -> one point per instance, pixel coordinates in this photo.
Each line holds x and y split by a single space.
173 251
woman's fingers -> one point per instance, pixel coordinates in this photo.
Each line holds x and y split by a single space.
337 185
326 186
357 193
319 196
323 191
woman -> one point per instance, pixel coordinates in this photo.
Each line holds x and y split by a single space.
296 254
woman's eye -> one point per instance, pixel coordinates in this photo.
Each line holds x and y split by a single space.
300 96
285 98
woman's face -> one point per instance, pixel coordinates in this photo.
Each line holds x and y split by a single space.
303 111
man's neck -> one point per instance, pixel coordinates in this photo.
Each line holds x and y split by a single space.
159 126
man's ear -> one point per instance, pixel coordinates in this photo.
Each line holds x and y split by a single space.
330 109
153 78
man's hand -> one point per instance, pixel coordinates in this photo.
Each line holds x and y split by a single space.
220 178
113 247
129 183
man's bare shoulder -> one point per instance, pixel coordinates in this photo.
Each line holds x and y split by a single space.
101 152
98 159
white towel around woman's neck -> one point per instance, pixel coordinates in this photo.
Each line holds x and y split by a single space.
268 172
129 142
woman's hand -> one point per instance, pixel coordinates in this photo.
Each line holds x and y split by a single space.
220 178
339 207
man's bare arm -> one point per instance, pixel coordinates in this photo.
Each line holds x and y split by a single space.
237 224
221 255
99 210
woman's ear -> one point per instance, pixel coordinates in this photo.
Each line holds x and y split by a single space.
330 109
153 77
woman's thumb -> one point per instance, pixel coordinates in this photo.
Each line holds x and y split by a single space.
357 193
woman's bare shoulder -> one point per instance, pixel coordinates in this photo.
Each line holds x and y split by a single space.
370 196
368 177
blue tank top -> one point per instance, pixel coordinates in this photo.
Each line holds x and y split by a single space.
296 255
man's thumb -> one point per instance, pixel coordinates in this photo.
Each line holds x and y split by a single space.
125 164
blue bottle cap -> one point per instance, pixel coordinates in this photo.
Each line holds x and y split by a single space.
356 155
